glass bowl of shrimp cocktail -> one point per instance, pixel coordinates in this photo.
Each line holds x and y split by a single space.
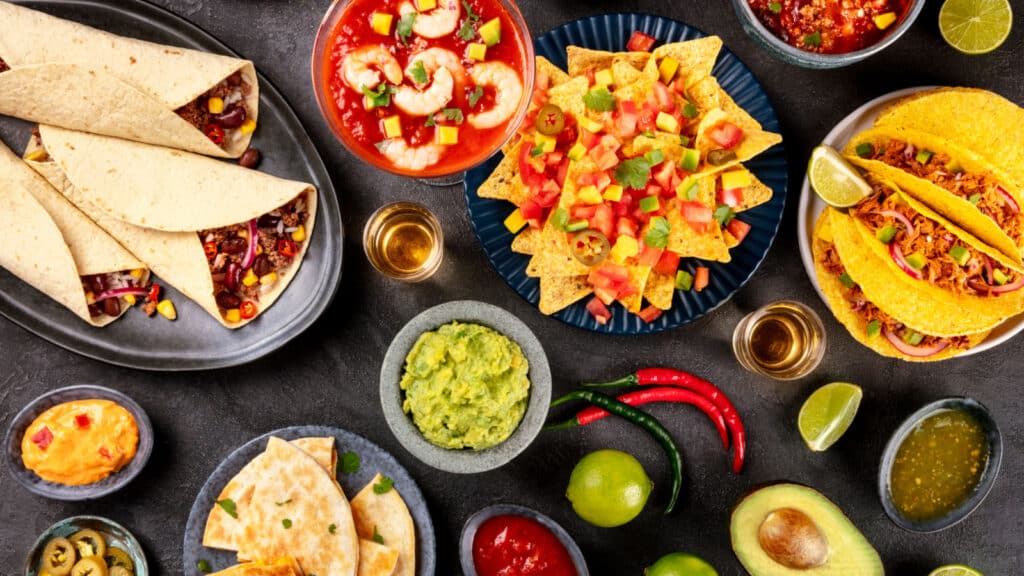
423 88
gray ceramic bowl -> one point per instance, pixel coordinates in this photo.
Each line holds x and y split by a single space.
793 55
988 477
114 534
465 461
112 483
474 522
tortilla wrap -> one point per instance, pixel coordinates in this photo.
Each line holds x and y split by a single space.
294 504
154 201
50 244
387 515
67 74
854 322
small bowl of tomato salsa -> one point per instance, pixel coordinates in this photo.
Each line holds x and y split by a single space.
826 33
423 88
510 539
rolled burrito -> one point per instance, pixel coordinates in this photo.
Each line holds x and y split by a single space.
62 73
59 251
191 219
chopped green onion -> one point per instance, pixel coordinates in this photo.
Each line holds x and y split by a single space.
865 149
577 225
847 280
913 338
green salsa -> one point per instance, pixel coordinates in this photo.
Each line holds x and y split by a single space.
938 466
466 386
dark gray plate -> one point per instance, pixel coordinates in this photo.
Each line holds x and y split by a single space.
114 534
195 341
374 460
112 483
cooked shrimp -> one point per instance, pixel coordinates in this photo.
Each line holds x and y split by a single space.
358 67
413 158
442 67
508 90
440 21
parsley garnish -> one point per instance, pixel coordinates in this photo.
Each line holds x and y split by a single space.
453 114
775 7
385 485
657 232
813 39
228 505
332 528
475 96
724 214
633 173
288 501
286 523
600 100
203 566
349 463
468 29
655 157
419 73
376 536
381 97
404 28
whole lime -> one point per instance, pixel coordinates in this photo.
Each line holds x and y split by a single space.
608 488
680 564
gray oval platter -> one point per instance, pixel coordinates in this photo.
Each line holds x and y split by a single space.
195 341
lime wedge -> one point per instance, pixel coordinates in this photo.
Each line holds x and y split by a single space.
975 26
955 570
827 414
832 177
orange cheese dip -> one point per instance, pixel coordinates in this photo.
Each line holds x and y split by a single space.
80 442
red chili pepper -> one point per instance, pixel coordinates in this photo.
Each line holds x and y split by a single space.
670 377
42 438
286 247
660 394
214 133
154 293
82 421
247 310
211 250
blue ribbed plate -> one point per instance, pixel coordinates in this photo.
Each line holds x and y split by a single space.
611 32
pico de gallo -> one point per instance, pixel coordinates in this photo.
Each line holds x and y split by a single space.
830 26
426 87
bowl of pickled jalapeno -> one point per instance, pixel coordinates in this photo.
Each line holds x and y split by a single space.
86 546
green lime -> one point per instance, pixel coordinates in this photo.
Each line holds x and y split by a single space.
827 414
608 488
975 26
680 564
955 570
832 177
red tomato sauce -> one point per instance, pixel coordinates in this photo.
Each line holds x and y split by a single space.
365 127
829 26
512 545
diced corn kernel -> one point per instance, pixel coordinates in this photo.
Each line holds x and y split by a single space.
129 299
577 152
476 51
248 127
604 78
735 179
667 69
381 23
393 127
37 155
426 5
589 195
215 105
259 249
268 279
883 21
90 297
613 193
667 123
515 221
299 235
625 247
545 142
138 273
166 309
250 278
233 316
242 234
591 125
447 135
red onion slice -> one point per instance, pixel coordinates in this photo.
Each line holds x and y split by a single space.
1009 199
988 269
250 253
897 257
903 220
995 289
119 292
915 351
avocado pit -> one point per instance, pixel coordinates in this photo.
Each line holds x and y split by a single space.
791 538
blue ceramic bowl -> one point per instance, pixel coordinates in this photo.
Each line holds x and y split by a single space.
793 55
988 477
114 534
474 522
112 483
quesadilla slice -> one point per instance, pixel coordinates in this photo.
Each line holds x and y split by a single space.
281 567
387 516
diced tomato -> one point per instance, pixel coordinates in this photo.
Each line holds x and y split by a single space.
727 135
649 256
587 138
640 42
668 264
665 100
81 421
605 295
680 85
646 121
732 197
626 119
626 291
42 438
591 73
531 210
626 227
554 158
583 212
599 311
527 172
603 220
697 213
701 278
649 314
614 272
563 171
653 189
620 209
609 143
606 159
641 217
664 173
738 229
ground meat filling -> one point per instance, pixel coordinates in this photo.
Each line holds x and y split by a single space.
223 126
281 235
3 66
859 303
935 243
982 190
96 284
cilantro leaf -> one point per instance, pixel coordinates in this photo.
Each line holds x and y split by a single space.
453 114
203 566
228 505
468 29
655 157
657 232
349 463
775 7
286 523
332 528
536 150
404 28
600 100
813 39
379 98
724 214
419 73
376 536
475 96
633 173
431 121
385 485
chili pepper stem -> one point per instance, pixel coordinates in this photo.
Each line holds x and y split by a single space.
628 380
562 425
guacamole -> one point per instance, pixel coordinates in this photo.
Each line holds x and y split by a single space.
466 386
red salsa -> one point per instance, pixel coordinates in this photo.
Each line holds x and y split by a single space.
830 26
511 545
426 87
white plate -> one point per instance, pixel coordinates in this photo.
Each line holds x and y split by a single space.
811 205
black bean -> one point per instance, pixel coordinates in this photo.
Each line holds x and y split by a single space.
232 118
96 283
95 310
232 276
235 79
112 306
250 158
262 266
227 300
234 245
268 221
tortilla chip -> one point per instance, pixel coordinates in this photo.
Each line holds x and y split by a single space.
556 75
705 93
387 515
554 256
689 243
526 241
569 96
669 144
558 292
581 60
754 195
638 278
376 559
504 183
755 140
730 240
696 57
659 290
624 73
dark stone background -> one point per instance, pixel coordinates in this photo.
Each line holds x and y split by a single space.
329 375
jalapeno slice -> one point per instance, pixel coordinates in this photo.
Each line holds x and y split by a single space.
721 156
590 247
91 566
89 543
550 120
58 557
116 557
118 571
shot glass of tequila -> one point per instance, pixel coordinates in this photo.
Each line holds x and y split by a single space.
784 340
404 241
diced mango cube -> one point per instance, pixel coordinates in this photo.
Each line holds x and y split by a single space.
250 278
735 179
515 221
613 193
589 125
589 195
577 152
604 78
625 247
426 5
476 51
668 68
447 135
233 316
248 127
166 309
667 123
883 21
299 235
545 142
138 273
392 127
490 32
381 23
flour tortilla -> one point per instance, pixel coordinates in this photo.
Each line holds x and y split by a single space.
376 559
388 514
282 567
294 490
67 74
50 244
153 201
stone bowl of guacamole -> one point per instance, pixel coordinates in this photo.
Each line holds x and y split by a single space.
465 387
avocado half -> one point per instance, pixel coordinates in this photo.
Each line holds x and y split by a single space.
793 530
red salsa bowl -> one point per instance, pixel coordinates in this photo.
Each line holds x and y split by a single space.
423 88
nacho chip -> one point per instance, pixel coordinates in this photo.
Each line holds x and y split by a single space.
669 144
696 57
659 290
638 278
554 257
559 292
705 93
684 240
624 72
555 74
526 242
755 140
569 96
582 60
504 183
